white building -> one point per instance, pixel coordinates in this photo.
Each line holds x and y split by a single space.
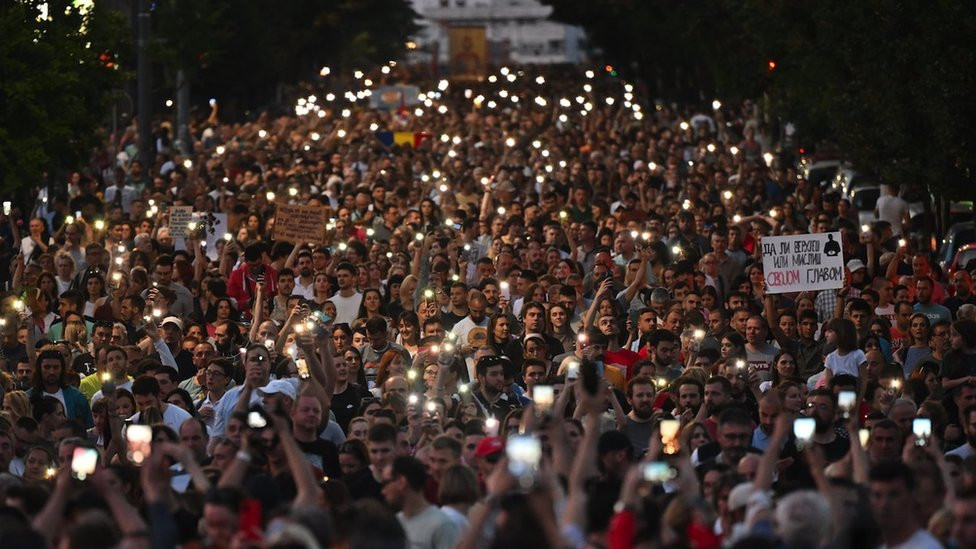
517 31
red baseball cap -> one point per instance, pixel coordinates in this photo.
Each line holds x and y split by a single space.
489 446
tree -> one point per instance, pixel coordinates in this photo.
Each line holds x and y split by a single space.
890 81
58 67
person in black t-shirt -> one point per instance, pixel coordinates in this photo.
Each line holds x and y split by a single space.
346 397
307 423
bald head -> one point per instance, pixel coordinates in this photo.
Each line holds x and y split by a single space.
875 361
748 466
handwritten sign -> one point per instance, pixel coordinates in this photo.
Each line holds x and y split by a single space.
179 220
299 224
805 262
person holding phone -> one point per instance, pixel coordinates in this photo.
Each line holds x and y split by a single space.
243 281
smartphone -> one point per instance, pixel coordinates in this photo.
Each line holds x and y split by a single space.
524 453
138 442
108 387
591 378
669 429
250 519
302 368
658 472
542 397
506 291
321 317
83 462
922 429
256 420
572 370
846 401
634 315
803 428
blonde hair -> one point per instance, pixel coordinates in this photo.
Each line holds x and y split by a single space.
76 334
19 404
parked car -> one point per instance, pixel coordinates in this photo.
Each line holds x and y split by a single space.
965 254
956 237
821 173
864 199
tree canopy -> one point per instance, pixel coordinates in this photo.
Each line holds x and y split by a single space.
58 65
888 80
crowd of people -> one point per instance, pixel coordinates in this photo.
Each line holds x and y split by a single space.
543 322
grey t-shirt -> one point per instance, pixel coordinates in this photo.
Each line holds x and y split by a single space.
432 529
639 432
761 360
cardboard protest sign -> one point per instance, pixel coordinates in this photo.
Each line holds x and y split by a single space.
805 262
299 224
179 220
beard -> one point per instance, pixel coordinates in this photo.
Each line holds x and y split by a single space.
823 425
306 272
645 411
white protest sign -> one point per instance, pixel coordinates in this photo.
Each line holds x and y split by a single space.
805 262
179 221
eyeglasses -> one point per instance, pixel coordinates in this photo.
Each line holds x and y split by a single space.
214 373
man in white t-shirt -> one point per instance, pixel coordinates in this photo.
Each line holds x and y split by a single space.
347 299
892 208
145 390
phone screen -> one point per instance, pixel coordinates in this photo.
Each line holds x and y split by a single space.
543 397
302 368
524 453
658 472
83 462
255 420
845 400
922 429
139 442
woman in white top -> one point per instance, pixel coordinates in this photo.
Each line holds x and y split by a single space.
93 286
37 240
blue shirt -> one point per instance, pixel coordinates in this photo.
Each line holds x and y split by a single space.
934 312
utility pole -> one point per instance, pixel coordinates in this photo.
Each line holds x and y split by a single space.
144 84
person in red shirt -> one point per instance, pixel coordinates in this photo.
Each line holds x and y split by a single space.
243 282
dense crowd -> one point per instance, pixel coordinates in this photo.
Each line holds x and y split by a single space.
543 322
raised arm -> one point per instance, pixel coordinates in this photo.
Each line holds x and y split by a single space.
640 279
767 464
257 311
301 471
584 464
605 287
772 321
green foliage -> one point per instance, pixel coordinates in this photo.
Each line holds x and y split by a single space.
889 80
54 88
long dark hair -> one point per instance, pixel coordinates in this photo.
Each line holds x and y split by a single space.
50 354
845 334
90 274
